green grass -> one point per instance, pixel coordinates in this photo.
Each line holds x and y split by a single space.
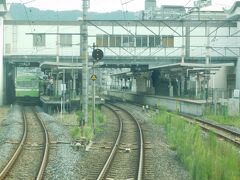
87 132
227 120
202 154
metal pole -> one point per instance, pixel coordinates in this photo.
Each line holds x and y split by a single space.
57 44
208 45
57 58
183 46
93 101
1 61
64 91
84 32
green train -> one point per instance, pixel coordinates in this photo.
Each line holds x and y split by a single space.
27 87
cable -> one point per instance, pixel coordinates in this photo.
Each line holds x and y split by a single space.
187 3
127 2
28 19
123 11
29 2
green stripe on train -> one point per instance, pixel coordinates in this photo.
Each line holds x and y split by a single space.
25 93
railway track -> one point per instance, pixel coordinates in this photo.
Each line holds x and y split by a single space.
148 147
127 155
220 130
30 158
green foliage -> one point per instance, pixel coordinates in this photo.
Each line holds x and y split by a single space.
18 12
227 120
202 154
75 132
87 131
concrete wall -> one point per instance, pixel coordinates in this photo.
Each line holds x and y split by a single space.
174 104
141 85
219 80
1 60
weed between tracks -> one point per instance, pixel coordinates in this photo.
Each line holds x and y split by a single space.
87 132
203 155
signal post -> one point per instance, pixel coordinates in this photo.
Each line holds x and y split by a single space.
97 55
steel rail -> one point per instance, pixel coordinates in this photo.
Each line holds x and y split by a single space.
114 149
228 134
18 150
141 153
17 153
46 149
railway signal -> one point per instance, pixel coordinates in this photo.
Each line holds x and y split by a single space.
97 54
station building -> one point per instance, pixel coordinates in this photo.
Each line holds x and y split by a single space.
177 56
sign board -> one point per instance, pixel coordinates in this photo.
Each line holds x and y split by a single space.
236 93
63 87
94 77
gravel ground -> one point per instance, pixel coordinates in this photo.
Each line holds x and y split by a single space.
4 110
65 162
63 158
11 130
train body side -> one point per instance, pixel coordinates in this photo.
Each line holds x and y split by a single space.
27 86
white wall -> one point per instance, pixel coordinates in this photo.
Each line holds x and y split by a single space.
24 44
24 39
219 80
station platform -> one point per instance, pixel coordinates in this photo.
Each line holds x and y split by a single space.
52 104
188 106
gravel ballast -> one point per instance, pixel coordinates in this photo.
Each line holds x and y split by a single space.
68 162
11 130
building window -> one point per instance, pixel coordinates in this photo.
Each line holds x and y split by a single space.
105 40
118 41
125 41
39 40
167 41
128 41
144 41
151 41
138 41
102 40
66 40
112 41
154 41
141 41
157 41
99 40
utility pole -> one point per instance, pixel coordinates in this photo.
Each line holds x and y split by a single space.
84 55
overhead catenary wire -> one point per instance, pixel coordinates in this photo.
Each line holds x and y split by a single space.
187 3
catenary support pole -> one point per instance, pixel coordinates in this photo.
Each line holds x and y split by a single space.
84 44
1 61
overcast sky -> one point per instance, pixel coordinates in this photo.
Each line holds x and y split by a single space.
108 5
